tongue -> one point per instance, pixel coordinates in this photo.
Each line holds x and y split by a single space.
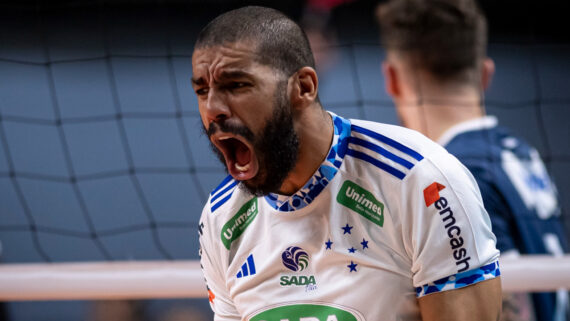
242 154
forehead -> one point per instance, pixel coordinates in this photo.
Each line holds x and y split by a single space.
210 61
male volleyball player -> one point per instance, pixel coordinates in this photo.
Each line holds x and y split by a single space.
436 70
322 217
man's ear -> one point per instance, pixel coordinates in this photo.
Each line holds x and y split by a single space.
305 84
391 80
487 72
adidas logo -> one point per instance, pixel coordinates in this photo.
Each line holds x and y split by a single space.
248 268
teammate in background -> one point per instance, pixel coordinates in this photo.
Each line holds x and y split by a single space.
436 70
322 217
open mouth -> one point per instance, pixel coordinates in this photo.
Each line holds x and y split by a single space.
241 160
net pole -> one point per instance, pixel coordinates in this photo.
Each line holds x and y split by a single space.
101 281
183 279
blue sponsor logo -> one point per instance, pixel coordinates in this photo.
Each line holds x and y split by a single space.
295 258
248 268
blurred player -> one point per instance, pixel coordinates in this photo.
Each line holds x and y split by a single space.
436 70
322 217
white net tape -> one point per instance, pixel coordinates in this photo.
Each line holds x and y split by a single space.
183 279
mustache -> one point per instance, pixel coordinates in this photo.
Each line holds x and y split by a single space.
226 127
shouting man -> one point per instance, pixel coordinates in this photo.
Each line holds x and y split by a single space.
322 217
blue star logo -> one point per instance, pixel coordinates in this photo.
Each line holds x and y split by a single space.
351 250
347 229
352 266
364 244
329 244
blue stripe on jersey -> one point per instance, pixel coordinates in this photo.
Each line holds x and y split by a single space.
381 151
387 141
220 190
460 280
222 184
230 186
375 162
221 202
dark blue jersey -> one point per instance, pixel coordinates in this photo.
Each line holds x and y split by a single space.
518 194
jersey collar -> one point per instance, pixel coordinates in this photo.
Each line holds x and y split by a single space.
324 174
480 123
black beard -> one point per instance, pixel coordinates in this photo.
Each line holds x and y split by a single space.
276 148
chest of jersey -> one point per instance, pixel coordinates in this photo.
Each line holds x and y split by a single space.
340 258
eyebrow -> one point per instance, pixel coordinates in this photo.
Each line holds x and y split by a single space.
224 75
233 74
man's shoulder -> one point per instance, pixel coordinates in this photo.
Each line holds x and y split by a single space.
477 142
224 198
228 211
396 135
390 149
486 149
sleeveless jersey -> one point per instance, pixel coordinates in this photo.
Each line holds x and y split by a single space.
519 196
388 217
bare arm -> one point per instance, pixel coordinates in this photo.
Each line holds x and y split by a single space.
477 302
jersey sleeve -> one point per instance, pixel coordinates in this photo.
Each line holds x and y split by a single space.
214 272
447 231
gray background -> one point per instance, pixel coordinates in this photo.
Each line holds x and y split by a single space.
101 152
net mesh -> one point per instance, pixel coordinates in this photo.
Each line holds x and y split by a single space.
100 150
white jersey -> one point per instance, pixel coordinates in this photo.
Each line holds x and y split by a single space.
388 217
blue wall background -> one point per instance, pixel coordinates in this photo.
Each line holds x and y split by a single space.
101 152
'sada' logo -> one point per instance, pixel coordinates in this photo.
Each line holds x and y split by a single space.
295 258
287 280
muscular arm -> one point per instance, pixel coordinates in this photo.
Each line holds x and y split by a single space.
477 302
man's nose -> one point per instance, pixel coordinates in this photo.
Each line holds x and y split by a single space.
216 107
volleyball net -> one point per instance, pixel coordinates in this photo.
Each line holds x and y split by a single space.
103 170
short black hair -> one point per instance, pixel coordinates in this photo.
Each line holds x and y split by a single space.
447 38
281 43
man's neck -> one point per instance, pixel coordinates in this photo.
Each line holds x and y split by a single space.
315 131
445 117
439 110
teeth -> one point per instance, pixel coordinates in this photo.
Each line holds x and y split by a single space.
242 168
224 137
